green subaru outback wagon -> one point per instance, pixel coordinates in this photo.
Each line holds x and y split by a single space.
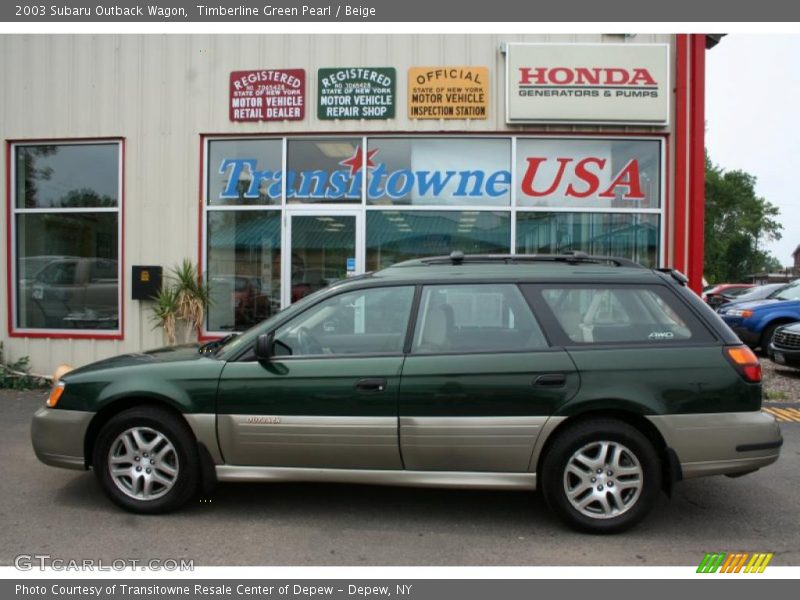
595 380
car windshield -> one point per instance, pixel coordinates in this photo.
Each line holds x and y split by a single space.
760 292
774 293
791 292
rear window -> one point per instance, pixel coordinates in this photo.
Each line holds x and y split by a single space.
608 314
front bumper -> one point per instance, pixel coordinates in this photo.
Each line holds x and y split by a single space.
785 356
721 443
58 435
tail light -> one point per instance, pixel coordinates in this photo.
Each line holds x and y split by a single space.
745 361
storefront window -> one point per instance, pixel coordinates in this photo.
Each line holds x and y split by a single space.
625 235
596 173
395 236
301 198
440 172
324 170
67 175
245 172
66 236
244 268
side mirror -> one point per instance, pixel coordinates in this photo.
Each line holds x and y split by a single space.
264 346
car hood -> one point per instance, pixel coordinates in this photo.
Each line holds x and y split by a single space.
793 328
159 355
753 304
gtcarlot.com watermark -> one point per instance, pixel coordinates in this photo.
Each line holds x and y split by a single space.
42 562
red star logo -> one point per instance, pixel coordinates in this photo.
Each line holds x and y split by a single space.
356 162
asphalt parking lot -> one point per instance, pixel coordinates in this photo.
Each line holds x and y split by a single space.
64 514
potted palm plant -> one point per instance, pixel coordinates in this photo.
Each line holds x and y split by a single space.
180 306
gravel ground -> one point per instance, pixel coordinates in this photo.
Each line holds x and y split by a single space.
781 384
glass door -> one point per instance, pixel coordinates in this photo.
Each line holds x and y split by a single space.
324 247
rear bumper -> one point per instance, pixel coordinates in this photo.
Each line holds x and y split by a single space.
721 443
58 435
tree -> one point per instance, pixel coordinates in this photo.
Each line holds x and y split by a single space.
737 223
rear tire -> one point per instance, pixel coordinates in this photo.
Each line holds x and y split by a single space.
146 460
601 476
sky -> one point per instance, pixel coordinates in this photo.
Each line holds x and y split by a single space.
753 121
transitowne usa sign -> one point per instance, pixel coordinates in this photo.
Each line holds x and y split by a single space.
587 83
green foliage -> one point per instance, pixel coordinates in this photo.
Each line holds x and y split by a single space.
10 377
184 299
193 295
165 311
737 223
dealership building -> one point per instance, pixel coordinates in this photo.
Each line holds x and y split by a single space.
278 164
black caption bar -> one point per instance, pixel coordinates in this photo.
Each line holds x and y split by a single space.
366 589
495 11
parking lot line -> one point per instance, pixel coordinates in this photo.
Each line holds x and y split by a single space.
783 414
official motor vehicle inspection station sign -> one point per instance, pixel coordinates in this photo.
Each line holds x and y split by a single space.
356 93
268 95
587 83
448 93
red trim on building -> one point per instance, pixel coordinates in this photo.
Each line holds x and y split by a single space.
689 213
202 336
65 335
667 204
122 245
696 207
681 152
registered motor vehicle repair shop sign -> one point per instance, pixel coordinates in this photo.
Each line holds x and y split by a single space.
356 93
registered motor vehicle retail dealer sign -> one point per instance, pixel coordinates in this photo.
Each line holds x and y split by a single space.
587 83
448 93
356 93
268 95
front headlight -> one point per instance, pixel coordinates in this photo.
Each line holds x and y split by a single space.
55 394
745 314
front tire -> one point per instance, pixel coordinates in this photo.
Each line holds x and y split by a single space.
766 337
146 460
601 476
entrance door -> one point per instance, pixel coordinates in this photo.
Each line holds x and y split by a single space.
323 247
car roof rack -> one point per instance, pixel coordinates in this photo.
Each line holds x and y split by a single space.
675 274
569 257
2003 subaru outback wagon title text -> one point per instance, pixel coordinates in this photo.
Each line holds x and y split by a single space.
595 380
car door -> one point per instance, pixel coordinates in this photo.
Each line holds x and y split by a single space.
480 381
328 398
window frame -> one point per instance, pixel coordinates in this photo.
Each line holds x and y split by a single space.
537 319
246 354
559 337
363 290
11 239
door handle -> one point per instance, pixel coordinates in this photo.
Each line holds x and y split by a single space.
551 380
371 385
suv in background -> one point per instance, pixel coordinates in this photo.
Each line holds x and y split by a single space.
588 378
755 322
72 292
